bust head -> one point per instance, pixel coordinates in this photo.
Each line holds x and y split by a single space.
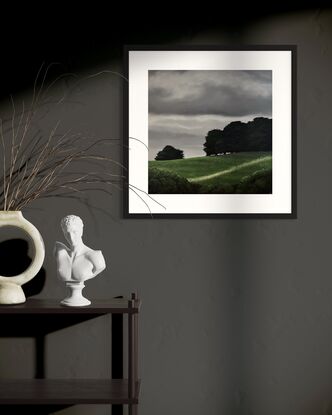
72 227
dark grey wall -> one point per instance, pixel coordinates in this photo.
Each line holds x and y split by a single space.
236 315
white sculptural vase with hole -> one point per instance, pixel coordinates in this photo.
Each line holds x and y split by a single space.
11 291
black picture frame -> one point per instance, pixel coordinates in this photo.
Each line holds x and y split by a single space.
142 194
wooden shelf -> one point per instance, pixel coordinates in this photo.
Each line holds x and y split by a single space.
66 392
36 306
116 391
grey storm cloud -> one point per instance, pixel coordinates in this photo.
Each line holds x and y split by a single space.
227 93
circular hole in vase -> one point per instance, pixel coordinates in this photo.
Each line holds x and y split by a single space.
16 251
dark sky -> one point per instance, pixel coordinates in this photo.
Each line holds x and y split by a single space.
185 105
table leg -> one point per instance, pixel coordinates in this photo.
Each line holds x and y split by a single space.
117 354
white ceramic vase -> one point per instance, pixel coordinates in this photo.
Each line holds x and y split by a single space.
11 287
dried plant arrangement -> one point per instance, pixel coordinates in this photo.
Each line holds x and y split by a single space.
60 164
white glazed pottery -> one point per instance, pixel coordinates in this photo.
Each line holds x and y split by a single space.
11 287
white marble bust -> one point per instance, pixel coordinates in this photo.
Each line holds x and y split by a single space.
77 262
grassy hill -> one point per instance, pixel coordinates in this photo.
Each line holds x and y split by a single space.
249 172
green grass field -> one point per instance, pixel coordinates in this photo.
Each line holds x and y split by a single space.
220 174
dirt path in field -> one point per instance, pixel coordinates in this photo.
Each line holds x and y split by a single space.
231 170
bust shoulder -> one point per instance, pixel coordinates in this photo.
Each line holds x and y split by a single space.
93 254
60 248
96 257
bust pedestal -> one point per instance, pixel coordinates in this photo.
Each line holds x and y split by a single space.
75 297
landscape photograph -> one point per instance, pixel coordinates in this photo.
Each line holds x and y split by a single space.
210 131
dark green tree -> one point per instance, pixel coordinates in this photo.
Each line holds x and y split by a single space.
169 153
210 142
238 136
259 134
233 138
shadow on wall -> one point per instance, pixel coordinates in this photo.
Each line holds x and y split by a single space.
15 259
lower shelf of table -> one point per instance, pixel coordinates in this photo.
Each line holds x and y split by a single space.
66 391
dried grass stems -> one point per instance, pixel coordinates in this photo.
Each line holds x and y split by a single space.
35 166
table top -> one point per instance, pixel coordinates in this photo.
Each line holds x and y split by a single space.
41 306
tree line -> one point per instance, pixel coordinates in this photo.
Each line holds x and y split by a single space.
236 137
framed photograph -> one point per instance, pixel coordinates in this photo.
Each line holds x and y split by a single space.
210 131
